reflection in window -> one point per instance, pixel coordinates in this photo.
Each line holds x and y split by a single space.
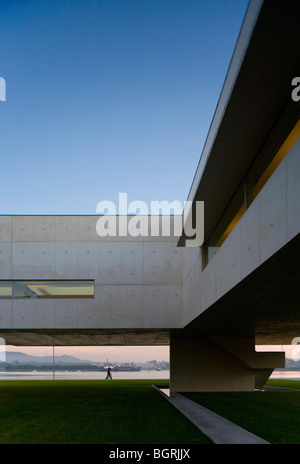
257 176
5 290
280 155
227 223
47 289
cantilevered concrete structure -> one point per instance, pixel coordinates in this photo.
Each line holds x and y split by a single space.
62 284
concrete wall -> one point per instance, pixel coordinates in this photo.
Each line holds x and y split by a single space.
199 365
219 364
271 221
138 282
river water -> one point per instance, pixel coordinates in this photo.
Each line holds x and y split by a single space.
78 375
288 374
143 374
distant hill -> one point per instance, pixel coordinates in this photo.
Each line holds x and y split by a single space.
291 364
15 357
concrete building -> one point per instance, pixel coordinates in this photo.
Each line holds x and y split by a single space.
62 284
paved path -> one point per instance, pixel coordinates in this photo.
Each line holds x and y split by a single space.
218 429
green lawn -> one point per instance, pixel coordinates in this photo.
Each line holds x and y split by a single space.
133 412
95 412
273 416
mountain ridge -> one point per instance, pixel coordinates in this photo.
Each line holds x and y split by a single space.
17 357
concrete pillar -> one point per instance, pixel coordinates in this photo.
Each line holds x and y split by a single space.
219 364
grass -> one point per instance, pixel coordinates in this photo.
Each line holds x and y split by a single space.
132 412
90 412
273 416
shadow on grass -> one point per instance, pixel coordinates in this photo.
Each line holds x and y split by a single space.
91 412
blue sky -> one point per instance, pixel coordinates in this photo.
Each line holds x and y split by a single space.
108 96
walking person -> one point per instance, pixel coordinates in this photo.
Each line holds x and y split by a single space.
109 376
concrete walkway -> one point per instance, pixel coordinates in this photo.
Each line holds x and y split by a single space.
219 430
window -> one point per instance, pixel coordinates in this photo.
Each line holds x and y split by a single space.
47 289
257 176
281 153
226 224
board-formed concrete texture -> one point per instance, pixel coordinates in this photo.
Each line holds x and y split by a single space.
155 290
138 282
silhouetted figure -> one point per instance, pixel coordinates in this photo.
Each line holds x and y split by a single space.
109 376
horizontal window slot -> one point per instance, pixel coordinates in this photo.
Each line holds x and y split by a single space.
15 289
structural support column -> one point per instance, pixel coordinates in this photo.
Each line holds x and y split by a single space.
219 364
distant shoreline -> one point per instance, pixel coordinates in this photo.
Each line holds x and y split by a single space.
59 367
12 367
82 375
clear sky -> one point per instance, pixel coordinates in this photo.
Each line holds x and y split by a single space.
108 96
127 353
101 353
